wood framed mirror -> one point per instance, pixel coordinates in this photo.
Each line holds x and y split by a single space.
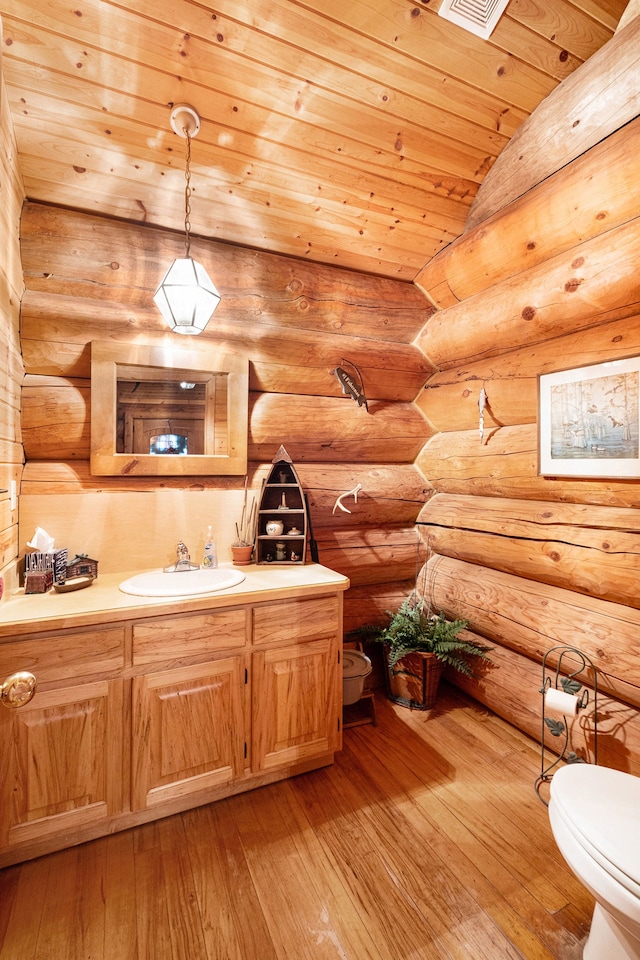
167 411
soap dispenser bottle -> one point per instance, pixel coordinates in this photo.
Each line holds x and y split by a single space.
210 556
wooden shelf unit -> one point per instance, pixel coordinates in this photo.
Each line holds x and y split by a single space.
282 500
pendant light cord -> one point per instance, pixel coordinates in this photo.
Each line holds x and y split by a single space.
187 196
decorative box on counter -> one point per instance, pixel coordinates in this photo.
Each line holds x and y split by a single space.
37 564
82 566
38 581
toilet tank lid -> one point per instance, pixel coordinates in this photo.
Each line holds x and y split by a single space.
604 806
355 664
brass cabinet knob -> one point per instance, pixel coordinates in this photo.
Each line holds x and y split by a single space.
18 689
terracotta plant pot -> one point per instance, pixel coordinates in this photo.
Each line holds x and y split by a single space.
242 555
413 681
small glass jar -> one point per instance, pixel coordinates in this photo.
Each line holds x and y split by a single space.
281 551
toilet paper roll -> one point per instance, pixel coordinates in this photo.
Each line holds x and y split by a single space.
561 703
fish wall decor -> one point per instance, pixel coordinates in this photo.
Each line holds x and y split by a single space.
352 386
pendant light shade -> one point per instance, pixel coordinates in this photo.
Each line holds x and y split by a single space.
187 296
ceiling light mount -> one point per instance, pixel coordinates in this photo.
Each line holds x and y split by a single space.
185 120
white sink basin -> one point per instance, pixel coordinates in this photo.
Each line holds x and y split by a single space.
187 583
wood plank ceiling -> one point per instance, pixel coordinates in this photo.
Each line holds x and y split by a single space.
348 132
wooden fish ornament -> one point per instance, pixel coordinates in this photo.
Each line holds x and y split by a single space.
351 387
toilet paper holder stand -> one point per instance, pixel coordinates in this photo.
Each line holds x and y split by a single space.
565 670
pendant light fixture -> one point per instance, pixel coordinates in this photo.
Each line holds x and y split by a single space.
186 297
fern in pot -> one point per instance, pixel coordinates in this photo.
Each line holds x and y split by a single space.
418 646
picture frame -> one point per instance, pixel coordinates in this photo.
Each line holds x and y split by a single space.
589 419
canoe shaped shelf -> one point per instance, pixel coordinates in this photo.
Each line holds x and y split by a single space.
282 517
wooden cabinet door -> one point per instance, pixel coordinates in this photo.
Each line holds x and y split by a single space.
296 712
61 761
188 730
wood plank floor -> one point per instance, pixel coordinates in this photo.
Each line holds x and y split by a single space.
425 840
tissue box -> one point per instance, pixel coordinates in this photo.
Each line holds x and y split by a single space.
38 562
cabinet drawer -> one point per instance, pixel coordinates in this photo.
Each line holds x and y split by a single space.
54 657
171 638
296 620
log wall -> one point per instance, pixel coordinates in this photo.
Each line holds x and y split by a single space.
546 284
593 102
89 278
11 287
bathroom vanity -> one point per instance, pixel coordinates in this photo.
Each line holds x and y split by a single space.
146 707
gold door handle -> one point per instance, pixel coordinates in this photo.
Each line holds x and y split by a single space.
18 689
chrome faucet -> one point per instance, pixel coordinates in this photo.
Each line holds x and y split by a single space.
182 555
183 560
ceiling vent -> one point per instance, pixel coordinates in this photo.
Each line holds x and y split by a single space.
477 16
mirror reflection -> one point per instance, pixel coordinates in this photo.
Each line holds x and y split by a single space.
161 418
169 443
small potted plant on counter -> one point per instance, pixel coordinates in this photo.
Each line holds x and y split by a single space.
242 546
418 646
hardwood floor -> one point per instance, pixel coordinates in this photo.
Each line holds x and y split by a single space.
425 840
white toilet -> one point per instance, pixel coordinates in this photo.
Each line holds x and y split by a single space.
595 818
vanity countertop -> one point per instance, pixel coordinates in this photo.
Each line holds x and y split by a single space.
103 602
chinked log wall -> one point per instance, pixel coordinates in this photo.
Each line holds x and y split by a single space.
546 284
89 278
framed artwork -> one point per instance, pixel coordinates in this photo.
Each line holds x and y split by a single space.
588 420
